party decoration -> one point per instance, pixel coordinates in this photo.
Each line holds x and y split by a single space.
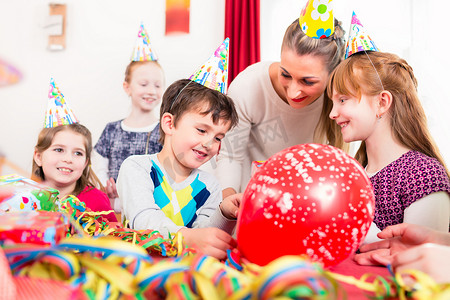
307 199
24 288
26 195
58 111
358 39
316 19
143 50
8 74
36 227
214 73
177 16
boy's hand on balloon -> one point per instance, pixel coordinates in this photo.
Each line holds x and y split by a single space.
230 206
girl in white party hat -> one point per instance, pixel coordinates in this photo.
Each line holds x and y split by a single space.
138 133
62 156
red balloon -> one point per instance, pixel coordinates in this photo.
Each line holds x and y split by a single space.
308 199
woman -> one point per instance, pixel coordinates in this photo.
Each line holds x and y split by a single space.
280 103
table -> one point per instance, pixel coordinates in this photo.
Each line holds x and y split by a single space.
351 268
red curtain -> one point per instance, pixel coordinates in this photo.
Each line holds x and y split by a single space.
242 27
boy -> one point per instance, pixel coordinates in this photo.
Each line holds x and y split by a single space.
166 191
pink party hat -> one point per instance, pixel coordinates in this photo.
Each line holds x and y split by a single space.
316 19
58 111
214 73
143 50
358 39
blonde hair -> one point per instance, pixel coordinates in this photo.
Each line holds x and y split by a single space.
331 49
371 73
45 139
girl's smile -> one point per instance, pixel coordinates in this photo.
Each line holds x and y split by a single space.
64 161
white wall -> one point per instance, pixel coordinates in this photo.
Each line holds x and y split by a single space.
100 38
101 35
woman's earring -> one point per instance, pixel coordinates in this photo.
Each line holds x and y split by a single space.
378 117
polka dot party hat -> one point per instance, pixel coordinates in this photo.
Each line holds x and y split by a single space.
316 19
143 50
358 39
58 111
214 73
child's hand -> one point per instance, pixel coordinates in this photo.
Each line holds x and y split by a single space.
230 206
398 238
111 190
210 241
431 259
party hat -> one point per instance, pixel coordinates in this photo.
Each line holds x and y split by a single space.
8 74
214 73
143 50
58 111
358 39
316 19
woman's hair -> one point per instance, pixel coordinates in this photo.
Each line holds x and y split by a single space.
331 49
134 64
185 95
45 139
371 73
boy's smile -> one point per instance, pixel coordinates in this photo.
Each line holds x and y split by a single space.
193 141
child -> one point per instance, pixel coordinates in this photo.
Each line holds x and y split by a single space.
62 156
138 133
375 101
166 191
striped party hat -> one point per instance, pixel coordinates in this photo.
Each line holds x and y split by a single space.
143 50
358 39
214 73
58 111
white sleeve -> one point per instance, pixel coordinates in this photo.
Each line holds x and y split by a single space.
432 211
135 188
372 234
100 166
209 215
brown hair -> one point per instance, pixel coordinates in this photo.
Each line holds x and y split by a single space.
331 49
185 95
371 73
45 139
134 64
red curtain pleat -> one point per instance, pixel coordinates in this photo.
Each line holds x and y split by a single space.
242 27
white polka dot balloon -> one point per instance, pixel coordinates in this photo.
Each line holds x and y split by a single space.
307 199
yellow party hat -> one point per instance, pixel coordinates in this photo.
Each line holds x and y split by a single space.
316 19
